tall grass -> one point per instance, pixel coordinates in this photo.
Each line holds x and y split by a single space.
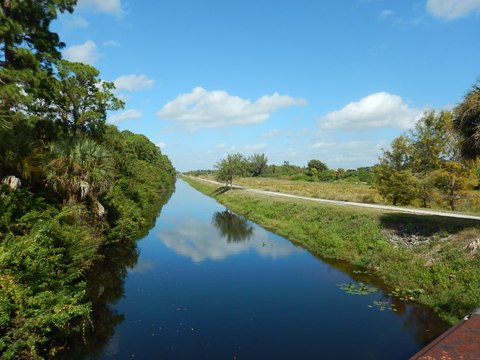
325 190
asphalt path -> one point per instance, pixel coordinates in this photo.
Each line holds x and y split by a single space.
348 203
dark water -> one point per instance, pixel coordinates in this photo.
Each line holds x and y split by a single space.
211 285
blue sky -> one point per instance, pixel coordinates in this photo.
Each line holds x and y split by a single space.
296 80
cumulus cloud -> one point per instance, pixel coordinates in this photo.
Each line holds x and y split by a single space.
112 7
350 154
216 109
452 9
131 114
379 110
162 145
86 53
133 82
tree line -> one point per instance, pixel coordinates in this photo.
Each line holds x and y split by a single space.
256 165
71 185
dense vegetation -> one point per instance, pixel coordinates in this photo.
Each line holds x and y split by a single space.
72 186
431 260
424 167
256 166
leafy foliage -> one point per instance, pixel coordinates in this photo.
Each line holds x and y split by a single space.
258 164
82 99
467 123
424 166
233 165
80 169
54 138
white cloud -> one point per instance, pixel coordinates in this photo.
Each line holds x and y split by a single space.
386 14
131 114
142 267
111 43
86 53
220 146
255 147
216 109
201 241
350 154
112 7
452 9
74 22
133 82
271 133
379 110
162 145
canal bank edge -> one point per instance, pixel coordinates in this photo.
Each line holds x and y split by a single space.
430 260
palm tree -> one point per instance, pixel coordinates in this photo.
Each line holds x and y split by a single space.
259 164
20 156
80 170
467 123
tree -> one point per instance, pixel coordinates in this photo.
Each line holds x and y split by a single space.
233 165
80 169
25 36
20 154
466 122
454 180
317 165
258 164
27 50
433 143
393 178
82 99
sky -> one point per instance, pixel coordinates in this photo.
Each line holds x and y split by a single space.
293 79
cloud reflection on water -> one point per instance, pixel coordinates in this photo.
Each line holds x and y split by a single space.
202 241
142 267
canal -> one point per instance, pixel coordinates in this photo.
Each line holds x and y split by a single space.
208 284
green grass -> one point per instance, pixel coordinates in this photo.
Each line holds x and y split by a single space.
427 256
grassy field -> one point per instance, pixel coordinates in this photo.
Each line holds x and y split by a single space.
434 261
322 190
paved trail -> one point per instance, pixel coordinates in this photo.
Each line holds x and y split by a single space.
347 203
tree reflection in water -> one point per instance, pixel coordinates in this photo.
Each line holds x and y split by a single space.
232 227
105 286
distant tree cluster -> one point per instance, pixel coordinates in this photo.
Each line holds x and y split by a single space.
238 165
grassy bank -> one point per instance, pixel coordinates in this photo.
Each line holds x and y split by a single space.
434 260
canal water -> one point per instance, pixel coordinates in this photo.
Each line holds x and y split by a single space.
208 284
